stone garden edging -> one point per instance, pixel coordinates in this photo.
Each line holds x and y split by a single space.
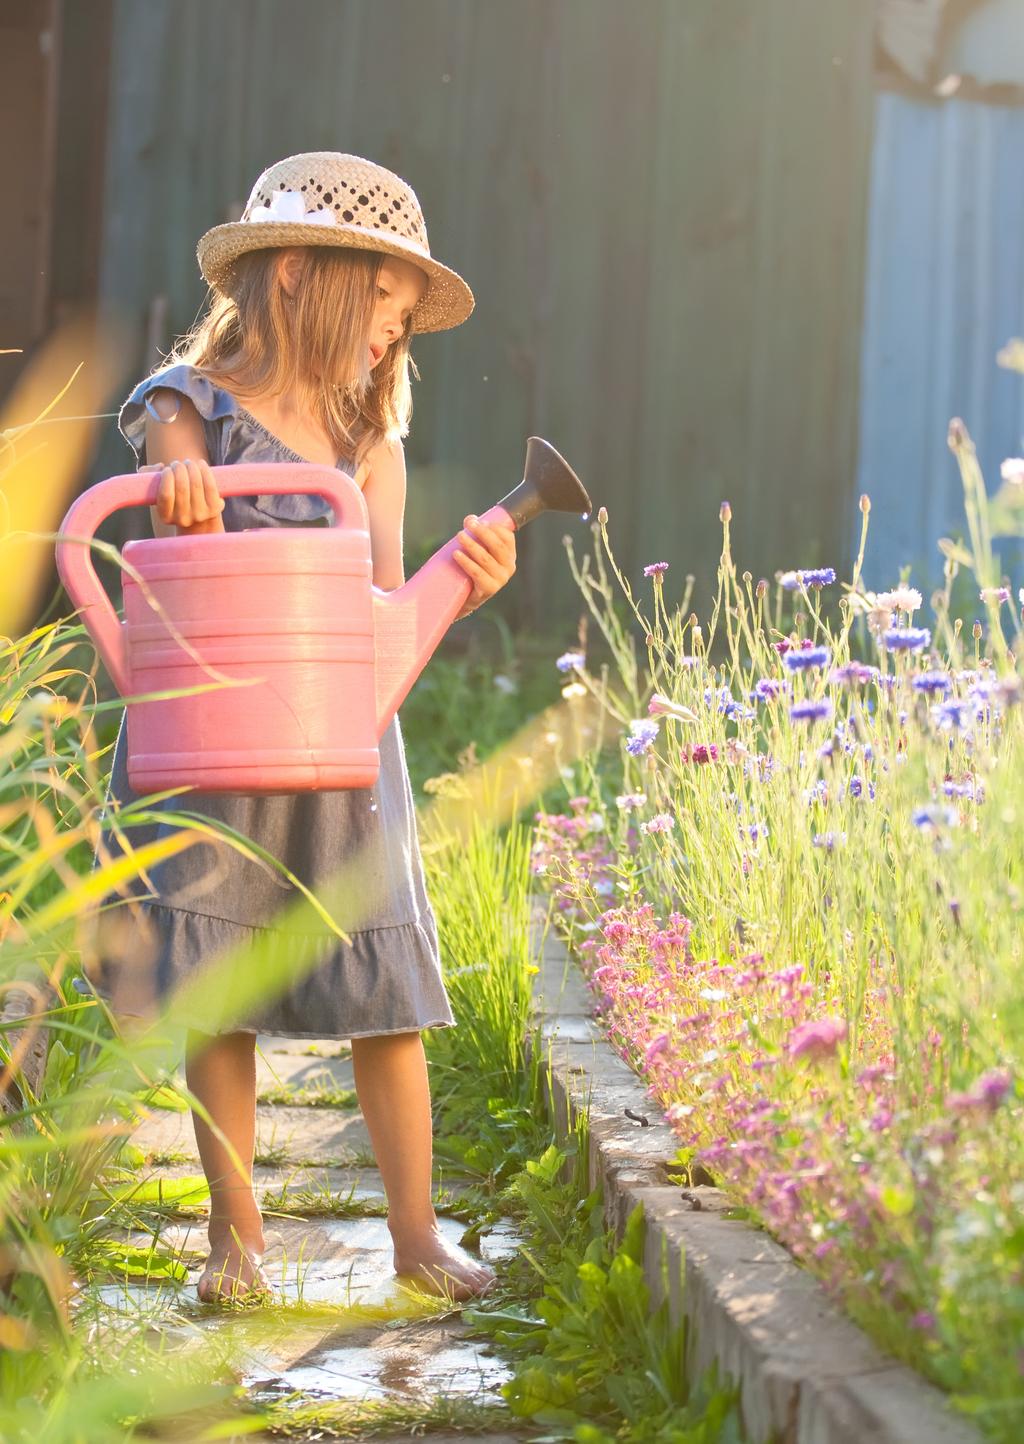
807 1374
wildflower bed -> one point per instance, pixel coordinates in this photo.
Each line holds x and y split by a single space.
796 894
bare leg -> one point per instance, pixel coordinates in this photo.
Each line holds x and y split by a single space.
221 1072
394 1095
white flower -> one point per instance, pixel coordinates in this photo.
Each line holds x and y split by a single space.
291 206
574 689
903 599
1012 470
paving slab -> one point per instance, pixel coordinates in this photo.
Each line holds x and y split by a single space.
286 1068
291 1135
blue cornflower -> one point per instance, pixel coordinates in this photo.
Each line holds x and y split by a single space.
856 786
816 794
906 639
767 689
829 840
950 715
810 711
818 576
932 682
854 672
933 817
810 577
799 661
568 660
959 789
644 733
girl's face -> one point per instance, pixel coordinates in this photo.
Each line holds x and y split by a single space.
399 286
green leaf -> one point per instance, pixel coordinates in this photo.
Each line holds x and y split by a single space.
136 1263
897 1201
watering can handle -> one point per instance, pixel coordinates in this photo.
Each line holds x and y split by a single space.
139 488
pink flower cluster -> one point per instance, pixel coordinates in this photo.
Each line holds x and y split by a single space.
845 1146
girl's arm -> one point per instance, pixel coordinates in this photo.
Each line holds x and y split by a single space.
179 437
384 491
487 554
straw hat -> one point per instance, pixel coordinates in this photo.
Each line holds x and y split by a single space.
324 198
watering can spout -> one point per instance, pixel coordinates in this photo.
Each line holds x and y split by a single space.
410 621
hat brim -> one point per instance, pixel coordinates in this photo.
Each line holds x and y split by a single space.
447 302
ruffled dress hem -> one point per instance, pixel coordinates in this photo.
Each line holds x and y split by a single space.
359 991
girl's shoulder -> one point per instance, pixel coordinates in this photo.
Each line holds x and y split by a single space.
212 402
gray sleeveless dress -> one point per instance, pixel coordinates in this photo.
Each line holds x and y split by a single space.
210 898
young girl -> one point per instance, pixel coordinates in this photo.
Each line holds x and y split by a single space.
303 355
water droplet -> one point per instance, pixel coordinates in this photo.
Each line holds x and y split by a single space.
373 807
584 515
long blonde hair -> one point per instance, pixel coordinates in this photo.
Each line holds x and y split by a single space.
259 341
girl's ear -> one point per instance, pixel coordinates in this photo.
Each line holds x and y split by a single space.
289 268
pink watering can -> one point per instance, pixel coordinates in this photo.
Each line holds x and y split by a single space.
291 611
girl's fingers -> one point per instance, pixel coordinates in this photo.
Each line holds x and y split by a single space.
214 500
499 541
182 495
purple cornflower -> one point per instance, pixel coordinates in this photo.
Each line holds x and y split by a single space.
829 840
906 639
807 657
932 682
810 711
703 752
656 569
568 660
986 1095
817 1039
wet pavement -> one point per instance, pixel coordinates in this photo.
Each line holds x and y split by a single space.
342 1326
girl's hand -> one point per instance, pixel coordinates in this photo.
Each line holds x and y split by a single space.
488 559
187 497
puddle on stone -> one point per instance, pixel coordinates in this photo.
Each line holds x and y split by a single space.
319 1262
391 1371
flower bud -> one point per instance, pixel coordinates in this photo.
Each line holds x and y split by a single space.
976 631
649 640
957 433
602 515
761 589
725 512
865 503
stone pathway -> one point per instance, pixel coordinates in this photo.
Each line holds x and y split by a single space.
346 1329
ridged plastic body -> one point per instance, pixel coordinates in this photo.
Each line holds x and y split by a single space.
325 657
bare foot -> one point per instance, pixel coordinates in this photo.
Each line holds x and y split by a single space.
442 1268
233 1273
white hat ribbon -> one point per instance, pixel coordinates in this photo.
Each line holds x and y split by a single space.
290 206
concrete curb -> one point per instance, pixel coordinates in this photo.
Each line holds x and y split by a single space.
807 1374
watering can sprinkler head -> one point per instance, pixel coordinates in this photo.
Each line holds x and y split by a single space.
549 484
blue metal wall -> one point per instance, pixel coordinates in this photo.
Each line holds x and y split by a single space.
944 291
